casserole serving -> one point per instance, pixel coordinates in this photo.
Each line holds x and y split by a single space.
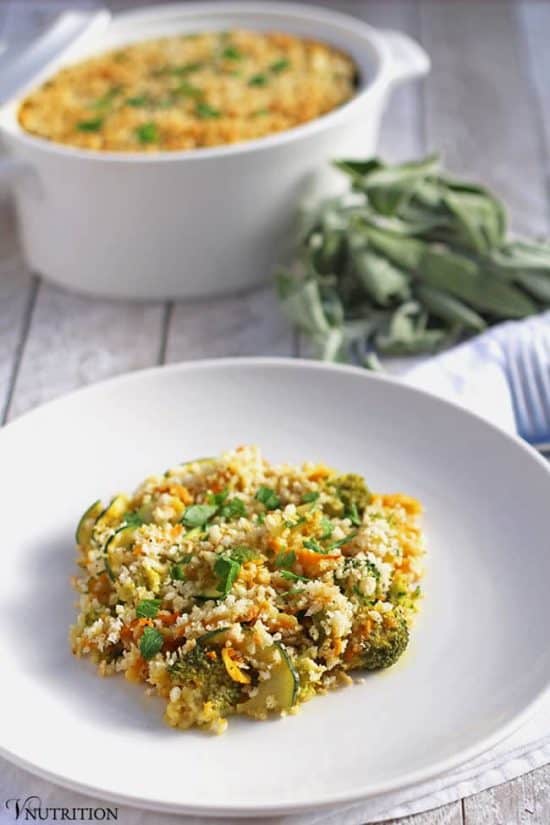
232 585
189 91
187 223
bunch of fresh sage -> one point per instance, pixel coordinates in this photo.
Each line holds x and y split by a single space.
408 261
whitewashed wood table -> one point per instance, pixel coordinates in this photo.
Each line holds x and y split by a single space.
486 106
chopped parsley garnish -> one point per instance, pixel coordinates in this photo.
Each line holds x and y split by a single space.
258 80
285 559
280 65
293 524
293 577
138 101
308 498
242 554
260 112
187 90
133 519
353 515
234 508
105 101
197 515
260 518
147 133
328 528
227 571
187 68
148 608
206 112
90 125
268 498
232 53
217 499
314 545
151 642
176 572
343 541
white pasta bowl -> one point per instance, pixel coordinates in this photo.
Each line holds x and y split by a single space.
205 221
479 657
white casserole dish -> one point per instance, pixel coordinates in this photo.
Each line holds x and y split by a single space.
205 221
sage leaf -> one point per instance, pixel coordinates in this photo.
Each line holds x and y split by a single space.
302 304
521 255
478 220
536 283
391 187
462 278
408 259
381 279
358 169
448 308
407 333
406 252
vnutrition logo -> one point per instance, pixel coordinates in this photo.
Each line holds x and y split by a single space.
32 810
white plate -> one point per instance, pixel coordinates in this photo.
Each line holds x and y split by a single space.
479 656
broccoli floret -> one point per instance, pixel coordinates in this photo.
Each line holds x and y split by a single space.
354 588
204 672
383 643
350 496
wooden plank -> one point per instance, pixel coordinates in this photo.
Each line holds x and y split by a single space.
16 299
479 108
244 325
447 815
523 801
75 340
16 287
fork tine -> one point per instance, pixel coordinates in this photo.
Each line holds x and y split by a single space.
541 369
520 403
528 366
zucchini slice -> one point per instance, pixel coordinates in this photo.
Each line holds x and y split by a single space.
113 512
282 685
213 637
123 537
87 521
210 593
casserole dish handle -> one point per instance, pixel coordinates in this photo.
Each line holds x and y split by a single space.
407 57
21 70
